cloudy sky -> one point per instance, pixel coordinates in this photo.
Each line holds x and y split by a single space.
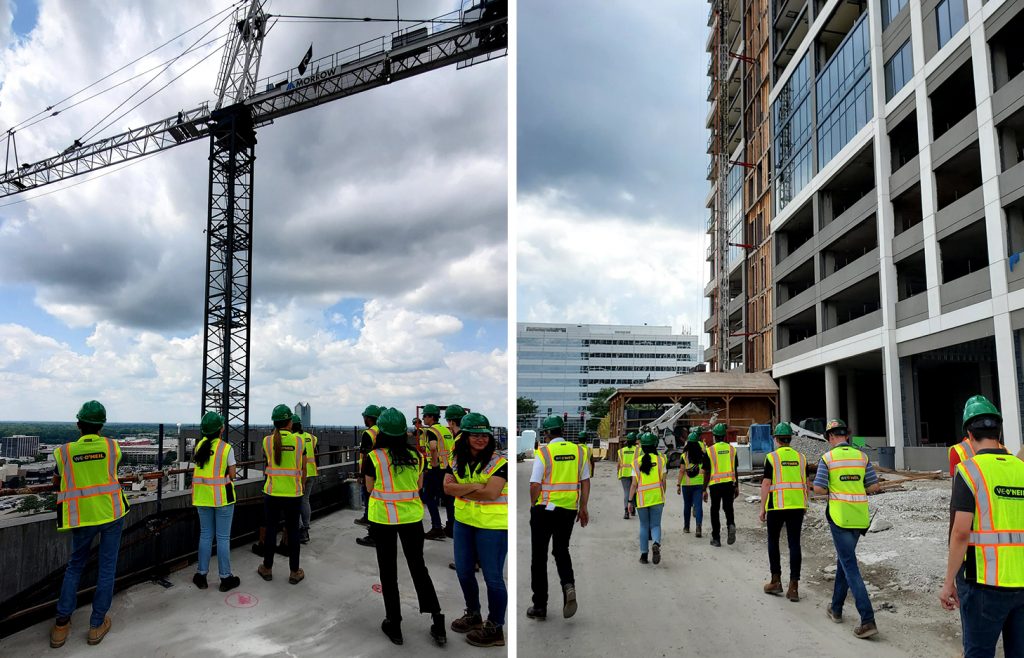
380 231
611 162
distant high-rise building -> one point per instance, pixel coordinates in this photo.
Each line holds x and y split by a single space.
302 411
19 445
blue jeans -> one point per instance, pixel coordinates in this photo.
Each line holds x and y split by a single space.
848 576
215 520
81 544
650 524
692 500
488 548
306 509
987 612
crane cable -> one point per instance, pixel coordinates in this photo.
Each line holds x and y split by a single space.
109 75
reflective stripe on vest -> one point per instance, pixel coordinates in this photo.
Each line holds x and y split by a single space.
847 500
282 479
445 442
310 441
626 461
648 489
210 483
997 533
722 473
486 514
395 498
788 486
83 503
560 483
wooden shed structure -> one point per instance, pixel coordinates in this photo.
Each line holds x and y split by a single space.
740 399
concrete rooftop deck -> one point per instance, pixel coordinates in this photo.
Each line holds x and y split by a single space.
333 612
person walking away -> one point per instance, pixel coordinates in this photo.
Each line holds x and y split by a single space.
724 488
367 441
985 566
440 440
559 492
784 492
626 456
393 473
453 414
309 443
213 496
963 451
694 476
588 450
649 479
90 502
846 475
478 480
285 481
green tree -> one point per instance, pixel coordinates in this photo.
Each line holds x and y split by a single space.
29 505
525 406
598 407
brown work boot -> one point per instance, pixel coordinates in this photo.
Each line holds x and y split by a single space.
792 593
470 621
774 586
487 635
97 633
266 573
59 635
865 631
296 576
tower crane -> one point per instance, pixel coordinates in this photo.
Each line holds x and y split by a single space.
245 102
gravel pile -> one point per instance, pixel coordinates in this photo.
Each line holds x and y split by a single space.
812 449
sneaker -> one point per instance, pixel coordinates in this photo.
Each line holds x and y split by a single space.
488 636
266 573
569 598
864 631
643 558
697 532
716 543
59 635
732 534
362 521
468 622
296 576
304 536
366 541
199 580
435 534
437 629
533 612
656 553
393 630
97 633
229 583
837 618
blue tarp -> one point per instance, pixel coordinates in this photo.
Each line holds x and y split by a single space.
761 438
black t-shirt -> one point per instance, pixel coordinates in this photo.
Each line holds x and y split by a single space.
366 442
962 500
500 473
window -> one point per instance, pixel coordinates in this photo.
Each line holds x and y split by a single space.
949 16
843 94
898 70
891 9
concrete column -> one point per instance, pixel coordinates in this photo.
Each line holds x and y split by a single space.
785 401
1009 402
851 402
910 411
831 391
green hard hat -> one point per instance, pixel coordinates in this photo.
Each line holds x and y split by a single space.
92 412
431 410
371 411
553 423
212 421
836 426
454 412
392 422
978 405
296 420
281 412
782 429
648 439
583 434
693 437
631 436
474 423
719 429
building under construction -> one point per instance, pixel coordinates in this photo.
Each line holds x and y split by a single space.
888 289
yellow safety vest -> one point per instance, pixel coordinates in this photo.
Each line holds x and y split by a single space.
626 456
445 443
788 489
847 500
997 534
310 442
211 486
424 444
284 479
723 463
966 451
89 491
395 498
648 487
372 431
487 514
697 479
563 471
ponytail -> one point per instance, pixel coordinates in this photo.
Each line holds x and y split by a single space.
277 445
645 463
204 450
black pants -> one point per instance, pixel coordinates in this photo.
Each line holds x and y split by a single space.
274 507
721 495
386 540
793 519
555 527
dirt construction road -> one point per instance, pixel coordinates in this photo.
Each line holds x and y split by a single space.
705 601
